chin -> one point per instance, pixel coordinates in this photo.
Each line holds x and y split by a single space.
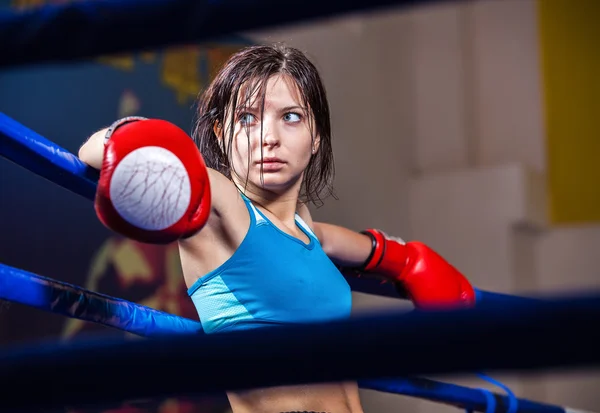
276 184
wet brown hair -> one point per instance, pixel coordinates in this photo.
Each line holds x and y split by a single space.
246 74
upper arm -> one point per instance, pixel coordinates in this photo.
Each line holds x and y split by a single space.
222 191
329 236
342 245
228 210
325 233
222 234
228 220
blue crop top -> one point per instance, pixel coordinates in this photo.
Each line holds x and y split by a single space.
272 278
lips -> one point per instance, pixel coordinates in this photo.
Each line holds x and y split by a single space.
269 160
271 164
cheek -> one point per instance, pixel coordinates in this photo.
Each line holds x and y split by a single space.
240 144
302 146
240 150
244 142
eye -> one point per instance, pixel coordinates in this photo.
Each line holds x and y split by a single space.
246 118
292 117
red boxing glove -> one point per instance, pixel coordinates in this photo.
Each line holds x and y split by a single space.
154 185
429 280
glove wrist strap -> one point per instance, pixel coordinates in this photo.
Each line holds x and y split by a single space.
112 128
377 250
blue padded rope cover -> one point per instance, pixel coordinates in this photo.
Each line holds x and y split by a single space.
452 394
490 337
37 154
62 298
76 30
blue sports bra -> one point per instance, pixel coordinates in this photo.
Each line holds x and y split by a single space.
272 278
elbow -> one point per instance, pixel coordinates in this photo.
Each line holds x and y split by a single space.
327 249
92 151
84 155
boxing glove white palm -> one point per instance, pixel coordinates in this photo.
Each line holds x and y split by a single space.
153 185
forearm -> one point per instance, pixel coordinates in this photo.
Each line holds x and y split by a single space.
426 277
343 246
92 151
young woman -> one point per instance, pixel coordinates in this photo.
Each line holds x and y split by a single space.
250 252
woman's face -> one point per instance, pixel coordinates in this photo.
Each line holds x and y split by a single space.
287 143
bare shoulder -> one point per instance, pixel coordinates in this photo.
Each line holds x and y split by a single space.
229 215
223 191
304 212
227 226
228 208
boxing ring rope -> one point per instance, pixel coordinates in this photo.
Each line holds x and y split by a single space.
58 297
37 154
30 150
490 337
79 30
62 298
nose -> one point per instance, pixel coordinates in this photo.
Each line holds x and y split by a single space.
270 135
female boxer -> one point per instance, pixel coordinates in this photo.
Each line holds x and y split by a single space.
250 252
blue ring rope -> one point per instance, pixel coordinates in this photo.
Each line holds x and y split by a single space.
44 158
58 297
418 343
455 395
490 401
513 402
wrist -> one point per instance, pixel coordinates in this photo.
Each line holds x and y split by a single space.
374 255
118 123
388 254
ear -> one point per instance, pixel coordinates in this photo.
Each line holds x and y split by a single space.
218 130
316 144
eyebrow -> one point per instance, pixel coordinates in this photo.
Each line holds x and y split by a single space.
284 109
288 108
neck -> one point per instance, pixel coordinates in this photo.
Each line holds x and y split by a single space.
283 208
283 205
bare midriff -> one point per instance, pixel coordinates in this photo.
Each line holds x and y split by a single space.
329 398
